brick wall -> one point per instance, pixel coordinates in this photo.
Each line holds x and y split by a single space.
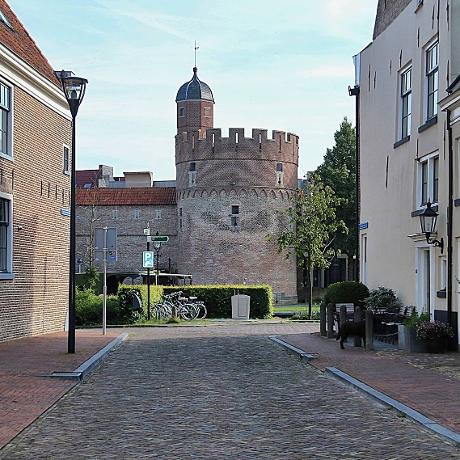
130 234
36 301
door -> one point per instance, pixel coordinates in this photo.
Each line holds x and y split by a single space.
425 281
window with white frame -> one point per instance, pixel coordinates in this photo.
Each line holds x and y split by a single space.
192 175
406 103
432 80
136 214
157 214
5 120
443 274
6 234
428 180
65 159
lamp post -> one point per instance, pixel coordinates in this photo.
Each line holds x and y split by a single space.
428 221
74 91
157 247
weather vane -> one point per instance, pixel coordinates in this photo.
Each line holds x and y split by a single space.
196 48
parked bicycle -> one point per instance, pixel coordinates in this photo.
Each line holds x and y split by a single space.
176 305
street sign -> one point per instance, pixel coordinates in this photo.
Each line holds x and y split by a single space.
147 231
148 259
160 239
111 244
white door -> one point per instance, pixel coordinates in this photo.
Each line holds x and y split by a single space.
363 274
425 281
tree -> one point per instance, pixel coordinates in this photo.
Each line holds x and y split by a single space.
338 171
312 229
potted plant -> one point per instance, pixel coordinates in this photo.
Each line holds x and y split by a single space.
435 335
407 334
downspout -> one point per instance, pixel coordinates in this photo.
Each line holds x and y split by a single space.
450 214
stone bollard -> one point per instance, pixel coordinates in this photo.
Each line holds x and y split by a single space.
369 330
322 320
330 321
358 317
342 315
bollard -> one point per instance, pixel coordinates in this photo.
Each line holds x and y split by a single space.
369 330
330 320
342 315
358 317
322 320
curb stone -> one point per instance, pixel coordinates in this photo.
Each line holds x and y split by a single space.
80 372
302 354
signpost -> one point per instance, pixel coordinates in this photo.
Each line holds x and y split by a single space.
148 259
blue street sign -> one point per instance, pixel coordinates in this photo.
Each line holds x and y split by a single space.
148 259
363 226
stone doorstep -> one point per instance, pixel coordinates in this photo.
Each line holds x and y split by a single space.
80 372
376 395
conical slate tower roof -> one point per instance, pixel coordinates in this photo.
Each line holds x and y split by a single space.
195 89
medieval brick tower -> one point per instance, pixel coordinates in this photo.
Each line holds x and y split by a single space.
229 192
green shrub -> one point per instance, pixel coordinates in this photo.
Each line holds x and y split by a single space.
217 298
90 280
414 319
346 292
382 299
89 310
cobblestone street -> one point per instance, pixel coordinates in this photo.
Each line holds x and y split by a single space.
217 394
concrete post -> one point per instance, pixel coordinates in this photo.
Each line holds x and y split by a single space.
358 317
369 330
330 321
322 320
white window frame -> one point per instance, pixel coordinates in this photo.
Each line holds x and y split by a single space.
430 188
10 143
429 71
405 92
8 275
66 171
136 214
443 273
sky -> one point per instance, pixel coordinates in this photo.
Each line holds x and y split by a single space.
282 65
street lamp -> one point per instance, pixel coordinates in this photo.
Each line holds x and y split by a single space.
428 221
74 91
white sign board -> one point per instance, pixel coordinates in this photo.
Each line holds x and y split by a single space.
148 259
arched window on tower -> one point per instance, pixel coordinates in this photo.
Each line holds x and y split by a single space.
192 175
182 111
279 174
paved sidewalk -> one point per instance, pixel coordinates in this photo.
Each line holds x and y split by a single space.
435 393
26 390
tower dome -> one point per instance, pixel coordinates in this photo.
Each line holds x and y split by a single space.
195 89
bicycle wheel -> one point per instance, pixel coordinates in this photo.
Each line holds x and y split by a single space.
188 311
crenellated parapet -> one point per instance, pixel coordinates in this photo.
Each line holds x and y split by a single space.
196 144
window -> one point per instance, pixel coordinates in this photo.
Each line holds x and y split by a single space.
279 174
136 214
234 216
66 159
4 19
114 214
428 180
192 174
207 112
180 218
443 274
432 61
6 235
406 103
157 214
5 115
182 111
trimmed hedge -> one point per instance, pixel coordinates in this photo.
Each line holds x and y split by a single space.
88 308
217 298
346 292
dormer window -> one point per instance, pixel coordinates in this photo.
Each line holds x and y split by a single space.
4 20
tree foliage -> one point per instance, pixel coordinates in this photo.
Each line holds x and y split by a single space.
338 171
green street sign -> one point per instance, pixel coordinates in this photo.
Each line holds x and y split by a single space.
160 239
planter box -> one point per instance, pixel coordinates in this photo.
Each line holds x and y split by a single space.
407 340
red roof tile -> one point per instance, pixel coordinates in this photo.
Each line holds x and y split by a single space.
126 196
18 40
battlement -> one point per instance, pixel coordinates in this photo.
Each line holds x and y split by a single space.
197 144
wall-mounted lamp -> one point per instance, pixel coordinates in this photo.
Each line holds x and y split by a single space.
428 220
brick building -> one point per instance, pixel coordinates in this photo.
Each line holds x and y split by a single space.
225 201
35 138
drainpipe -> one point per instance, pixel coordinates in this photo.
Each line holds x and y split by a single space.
355 92
450 214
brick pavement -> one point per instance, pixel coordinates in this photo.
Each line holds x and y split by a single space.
218 394
434 393
25 390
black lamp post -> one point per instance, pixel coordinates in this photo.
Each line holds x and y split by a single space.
74 90
428 221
